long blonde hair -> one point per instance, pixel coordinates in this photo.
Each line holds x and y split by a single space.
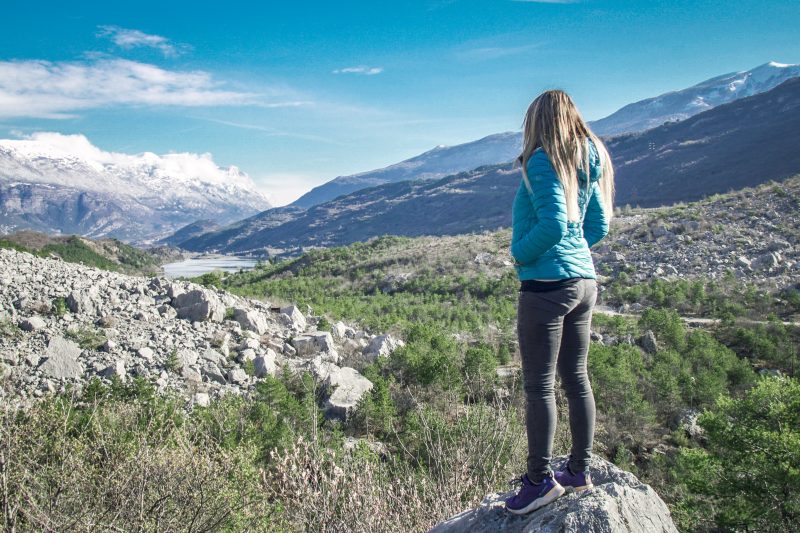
554 124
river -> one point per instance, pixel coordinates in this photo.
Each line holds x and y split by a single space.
197 266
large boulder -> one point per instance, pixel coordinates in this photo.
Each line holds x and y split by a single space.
62 359
382 346
618 502
251 320
266 365
199 305
86 301
292 317
312 343
348 388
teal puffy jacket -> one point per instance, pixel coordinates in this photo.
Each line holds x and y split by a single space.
544 244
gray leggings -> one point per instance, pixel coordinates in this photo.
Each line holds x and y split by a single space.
554 327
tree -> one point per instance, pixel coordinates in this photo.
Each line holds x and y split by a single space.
750 467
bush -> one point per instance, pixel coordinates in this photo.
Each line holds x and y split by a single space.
750 468
428 357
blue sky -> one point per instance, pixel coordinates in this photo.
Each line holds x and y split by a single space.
296 93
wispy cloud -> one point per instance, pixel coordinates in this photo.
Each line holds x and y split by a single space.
495 52
127 39
496 46
362 70
272 132
548 1
46 89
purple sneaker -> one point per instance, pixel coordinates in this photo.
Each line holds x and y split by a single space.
534 495
578 482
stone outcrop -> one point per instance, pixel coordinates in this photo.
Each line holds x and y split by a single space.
618 503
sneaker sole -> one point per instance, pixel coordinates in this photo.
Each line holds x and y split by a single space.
553 494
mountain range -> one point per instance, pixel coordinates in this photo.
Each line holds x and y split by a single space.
502 147
742 143
63 184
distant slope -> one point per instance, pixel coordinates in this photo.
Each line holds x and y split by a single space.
63 184
198 227
680 105
503 147
436 163
735 145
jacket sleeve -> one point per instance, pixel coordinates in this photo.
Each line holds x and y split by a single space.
595 225
550 206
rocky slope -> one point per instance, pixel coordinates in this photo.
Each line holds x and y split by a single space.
62 184
709 153
618 502
62 324
753 232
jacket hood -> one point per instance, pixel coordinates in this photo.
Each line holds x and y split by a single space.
595 168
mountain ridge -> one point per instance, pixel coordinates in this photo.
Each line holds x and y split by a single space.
693 161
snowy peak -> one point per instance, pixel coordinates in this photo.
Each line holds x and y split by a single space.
682 104
137 197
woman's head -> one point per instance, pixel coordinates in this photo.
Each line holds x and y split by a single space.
554 123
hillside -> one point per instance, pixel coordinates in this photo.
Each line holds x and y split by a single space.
108 254
701 156
729 147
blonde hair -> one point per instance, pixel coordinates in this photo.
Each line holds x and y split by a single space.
554 124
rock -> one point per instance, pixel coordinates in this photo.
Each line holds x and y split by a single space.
238 376
62 359
249 344
85 301
687 420
212 372
201 398
251 320
648 342
341 331
199 305
348 388
292 317
187 357
117 369
214 356
319 341
618 502
246 355
34 323
382 346
146 354
266 364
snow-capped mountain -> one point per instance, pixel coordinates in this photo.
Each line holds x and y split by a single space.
680 105
436 163
499 148
62 183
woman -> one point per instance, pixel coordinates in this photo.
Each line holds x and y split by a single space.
563 206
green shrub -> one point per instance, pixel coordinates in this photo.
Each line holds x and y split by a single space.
87 338
750 468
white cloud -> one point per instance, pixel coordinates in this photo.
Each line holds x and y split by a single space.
364 71
495 52
186 166
128 39
45 89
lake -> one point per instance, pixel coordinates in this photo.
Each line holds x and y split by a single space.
198 266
